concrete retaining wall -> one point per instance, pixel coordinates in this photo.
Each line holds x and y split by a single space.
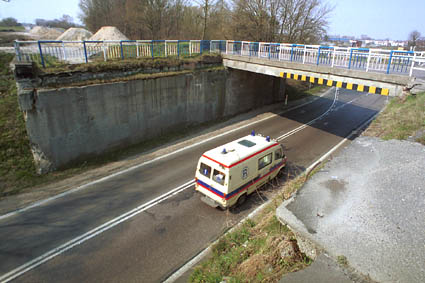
73 123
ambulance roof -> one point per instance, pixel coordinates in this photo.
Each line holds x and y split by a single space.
237 151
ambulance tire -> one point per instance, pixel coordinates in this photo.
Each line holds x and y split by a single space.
241 200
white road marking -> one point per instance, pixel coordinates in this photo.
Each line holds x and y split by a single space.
112 223
92 233
85 186
284 136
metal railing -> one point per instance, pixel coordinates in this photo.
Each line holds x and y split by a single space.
51 52
361 59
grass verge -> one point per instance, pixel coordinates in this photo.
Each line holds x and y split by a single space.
400 120
11 29
16 161
260 250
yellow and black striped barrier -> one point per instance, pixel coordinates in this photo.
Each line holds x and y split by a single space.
320 81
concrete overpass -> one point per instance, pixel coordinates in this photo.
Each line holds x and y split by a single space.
380 71
379 83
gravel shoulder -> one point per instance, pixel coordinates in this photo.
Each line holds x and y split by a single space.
367 204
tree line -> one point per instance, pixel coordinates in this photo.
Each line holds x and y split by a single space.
64 22
300 21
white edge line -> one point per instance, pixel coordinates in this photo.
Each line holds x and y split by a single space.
90 234
202 254
41 202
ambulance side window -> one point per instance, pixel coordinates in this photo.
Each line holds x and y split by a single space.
219 177
264 161
205 170
278 154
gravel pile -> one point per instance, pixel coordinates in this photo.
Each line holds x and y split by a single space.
45 32
108 33
75 34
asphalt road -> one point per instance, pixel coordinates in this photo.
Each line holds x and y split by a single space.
151 245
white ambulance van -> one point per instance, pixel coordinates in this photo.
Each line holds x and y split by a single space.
227 174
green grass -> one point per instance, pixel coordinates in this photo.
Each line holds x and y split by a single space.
12 29
401 119
16 162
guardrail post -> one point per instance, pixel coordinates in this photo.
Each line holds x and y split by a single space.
178 48
270 49
280 52
292 51
41 55
17 50
105 57
389 62
85 51
333 57
413 64
351 55
259 49
152 49
305 51
137 49
63 51
122 51
318 56
368 60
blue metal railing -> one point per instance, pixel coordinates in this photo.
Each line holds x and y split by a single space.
385 61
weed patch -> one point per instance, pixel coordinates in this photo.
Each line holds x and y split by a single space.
400 120
259 250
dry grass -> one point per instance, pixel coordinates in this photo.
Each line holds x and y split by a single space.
260 250
119 65
401 119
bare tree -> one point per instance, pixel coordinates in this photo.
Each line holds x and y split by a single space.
413 38
206 7
301 21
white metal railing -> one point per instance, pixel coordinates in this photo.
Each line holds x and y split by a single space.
368 60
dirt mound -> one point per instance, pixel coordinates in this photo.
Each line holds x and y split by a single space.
44 32
75 34
108 33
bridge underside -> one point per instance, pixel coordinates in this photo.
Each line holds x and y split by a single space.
378 83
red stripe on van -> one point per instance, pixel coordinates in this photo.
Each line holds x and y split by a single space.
240 161
246 187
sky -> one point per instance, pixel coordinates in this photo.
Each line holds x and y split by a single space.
379 19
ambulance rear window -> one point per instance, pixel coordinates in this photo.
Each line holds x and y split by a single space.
219 177
247 143
205 170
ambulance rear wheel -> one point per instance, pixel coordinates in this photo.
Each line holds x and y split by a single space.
241 200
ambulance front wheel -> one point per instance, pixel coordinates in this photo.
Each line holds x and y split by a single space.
241 200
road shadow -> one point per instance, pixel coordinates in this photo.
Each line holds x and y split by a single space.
268 190
325 114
